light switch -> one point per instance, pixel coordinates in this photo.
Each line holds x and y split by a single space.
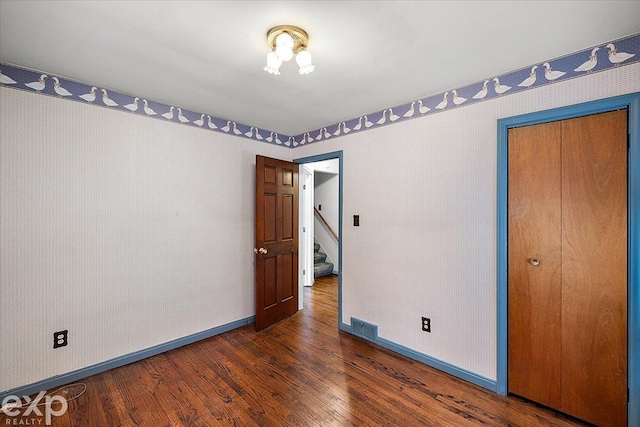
356 220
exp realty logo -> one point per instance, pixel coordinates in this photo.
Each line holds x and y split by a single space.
35 409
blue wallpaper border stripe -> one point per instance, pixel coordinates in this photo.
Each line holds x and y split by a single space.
69 377
604 56
16 77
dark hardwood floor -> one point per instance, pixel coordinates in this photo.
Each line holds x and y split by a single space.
300 372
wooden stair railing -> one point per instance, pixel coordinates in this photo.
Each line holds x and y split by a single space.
326 223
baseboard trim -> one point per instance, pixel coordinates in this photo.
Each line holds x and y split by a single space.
345 328
457 372
78 374
461 373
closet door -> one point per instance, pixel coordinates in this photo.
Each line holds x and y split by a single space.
594 268
535 293
567 266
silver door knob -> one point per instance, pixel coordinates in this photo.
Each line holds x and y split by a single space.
535 262
260 251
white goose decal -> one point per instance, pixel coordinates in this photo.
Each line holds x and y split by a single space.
443 104
590 63
6 80
457 100
182 118
529 81
133 106
108 101
500 88
169 114
551 74
616 57
59 89
411 110
482 92
91 96
39 85
148 110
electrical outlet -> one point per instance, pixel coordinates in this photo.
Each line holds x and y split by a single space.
60 339
426 324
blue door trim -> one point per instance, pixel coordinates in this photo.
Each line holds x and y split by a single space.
319 158
632 103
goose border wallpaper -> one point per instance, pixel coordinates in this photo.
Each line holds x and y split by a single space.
620 52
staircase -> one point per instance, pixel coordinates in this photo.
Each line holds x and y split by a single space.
320 265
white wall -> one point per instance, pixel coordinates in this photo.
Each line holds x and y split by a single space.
127 231
131 232
327 166
425 191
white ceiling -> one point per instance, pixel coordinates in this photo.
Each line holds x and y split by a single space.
208 56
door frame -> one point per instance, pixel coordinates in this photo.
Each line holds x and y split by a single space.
306 230
632 103
319 158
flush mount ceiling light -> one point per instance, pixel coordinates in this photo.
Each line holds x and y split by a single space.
285 42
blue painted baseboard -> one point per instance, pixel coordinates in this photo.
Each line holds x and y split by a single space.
78 374
439 364
428 360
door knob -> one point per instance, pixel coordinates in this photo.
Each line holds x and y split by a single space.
255 251
535 262
260 251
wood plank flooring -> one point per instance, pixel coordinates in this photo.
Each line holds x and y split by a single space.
300 372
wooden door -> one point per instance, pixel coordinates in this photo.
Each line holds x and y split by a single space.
568 314
535 293
276 259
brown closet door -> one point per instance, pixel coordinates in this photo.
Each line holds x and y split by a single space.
535 297
594 268
568 314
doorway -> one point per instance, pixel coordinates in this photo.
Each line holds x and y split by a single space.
307 223
632 104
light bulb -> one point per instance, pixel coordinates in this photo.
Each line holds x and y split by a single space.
273 64
303 58
284 47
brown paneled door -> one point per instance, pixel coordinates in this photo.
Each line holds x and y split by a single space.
276 250
567 266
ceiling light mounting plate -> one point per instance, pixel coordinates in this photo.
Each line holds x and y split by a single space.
299 36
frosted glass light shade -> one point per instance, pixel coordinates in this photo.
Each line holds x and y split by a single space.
284 47
285 41
303 58
273 64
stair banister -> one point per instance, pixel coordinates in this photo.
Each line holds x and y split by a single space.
326 223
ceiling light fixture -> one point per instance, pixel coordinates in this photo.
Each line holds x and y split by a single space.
285 42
